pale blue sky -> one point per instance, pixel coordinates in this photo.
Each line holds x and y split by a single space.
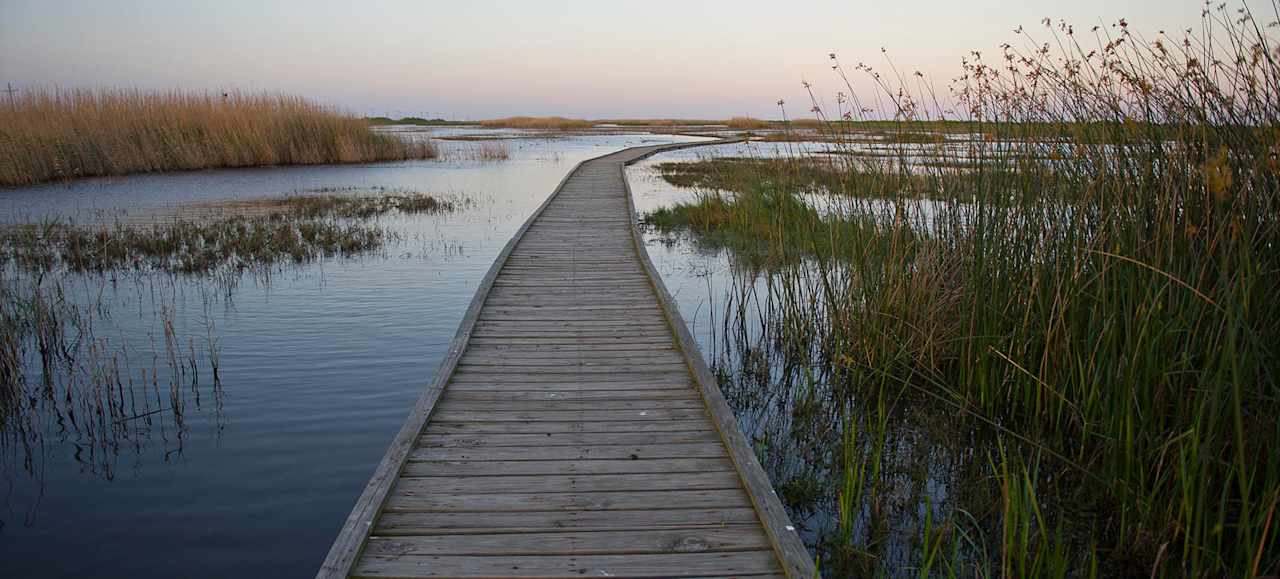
481 59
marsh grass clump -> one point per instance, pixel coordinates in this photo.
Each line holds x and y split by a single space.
492 151
818 174
46 135
552 123
344 203
415 121
487 150
186 246
746 123
1096 299
250 235
754 223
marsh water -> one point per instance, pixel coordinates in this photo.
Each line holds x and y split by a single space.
250 409
318 365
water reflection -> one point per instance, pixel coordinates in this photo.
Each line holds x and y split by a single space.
74 377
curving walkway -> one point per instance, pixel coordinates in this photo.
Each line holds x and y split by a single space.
573 430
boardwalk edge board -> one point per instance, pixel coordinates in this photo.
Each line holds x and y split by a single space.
354 537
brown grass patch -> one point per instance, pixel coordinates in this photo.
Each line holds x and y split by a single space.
560 123
61 134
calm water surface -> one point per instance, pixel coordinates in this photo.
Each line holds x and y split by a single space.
318 367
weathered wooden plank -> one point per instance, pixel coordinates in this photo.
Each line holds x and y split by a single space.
561 363
472 485
584 370
449 415
636 292
583 452
635 378
604 501
569 336
704 540
580 352
617 270
640 303
571 309
564 405
634 300
619 316
555 284
447 468
522 386
531 257
437 523
496 339
587 326
603 347
543 426
572 395
493 328
738 564
434 440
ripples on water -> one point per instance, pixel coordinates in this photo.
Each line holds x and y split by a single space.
317 367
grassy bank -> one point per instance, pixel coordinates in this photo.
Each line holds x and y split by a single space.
1099 304
47 135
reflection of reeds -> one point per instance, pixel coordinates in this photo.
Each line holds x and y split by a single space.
56 134
65 378
1096 296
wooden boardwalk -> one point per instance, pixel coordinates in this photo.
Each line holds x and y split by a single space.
573 429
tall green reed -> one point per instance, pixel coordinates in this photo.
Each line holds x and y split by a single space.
1090 275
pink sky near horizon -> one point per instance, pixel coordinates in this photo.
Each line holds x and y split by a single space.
488 59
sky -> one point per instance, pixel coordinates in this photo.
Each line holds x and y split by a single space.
473 59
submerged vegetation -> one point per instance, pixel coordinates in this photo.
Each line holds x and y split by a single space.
485 151
243 235
65 376
47 135
1088 301
61 375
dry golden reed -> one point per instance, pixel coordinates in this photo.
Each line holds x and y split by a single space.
746 123
49 134
557 123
